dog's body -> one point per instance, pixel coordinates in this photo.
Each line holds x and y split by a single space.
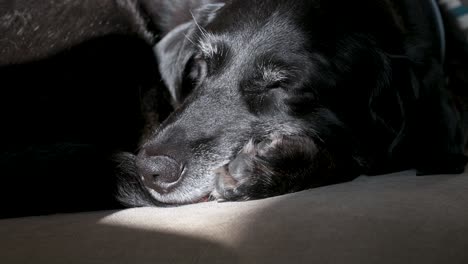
271 96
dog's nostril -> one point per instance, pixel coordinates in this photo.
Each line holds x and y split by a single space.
159 171
155 177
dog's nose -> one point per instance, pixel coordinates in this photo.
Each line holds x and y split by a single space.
159 172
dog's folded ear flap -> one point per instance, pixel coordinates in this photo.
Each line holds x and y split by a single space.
206 13
165 15
177 47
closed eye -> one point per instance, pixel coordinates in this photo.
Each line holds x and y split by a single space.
274 85
194 74
200 69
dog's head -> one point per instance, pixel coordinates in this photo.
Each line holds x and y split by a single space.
243 71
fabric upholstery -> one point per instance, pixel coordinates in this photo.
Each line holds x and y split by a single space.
395 218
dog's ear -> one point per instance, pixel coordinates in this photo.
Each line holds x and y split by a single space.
174 52
427 127
177 47
436 128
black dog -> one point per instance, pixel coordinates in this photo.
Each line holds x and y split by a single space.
271 97
277 96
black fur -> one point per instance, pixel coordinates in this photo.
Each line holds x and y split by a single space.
280 96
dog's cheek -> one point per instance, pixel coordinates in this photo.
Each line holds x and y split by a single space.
302 104
271 102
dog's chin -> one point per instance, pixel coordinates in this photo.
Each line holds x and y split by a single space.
178 199
136 194
197 185
189 189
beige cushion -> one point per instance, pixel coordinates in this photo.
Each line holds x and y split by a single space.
396 218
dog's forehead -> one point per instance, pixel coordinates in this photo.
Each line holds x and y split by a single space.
275 32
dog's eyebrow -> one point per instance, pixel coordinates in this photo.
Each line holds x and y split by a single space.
208 48
215 51
211 48
272 72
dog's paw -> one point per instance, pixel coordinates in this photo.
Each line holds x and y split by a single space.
236 178
272 167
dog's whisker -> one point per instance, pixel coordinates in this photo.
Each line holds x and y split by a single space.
189 39
202 30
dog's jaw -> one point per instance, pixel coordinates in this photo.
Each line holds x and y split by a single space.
195 186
